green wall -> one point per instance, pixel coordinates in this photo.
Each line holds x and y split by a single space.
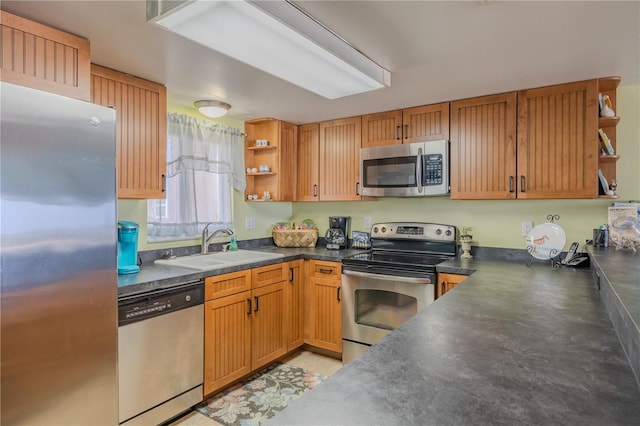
494 223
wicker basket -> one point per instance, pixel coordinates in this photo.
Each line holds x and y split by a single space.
295 237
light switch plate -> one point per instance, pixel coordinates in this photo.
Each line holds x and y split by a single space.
527 226
367 222
250 222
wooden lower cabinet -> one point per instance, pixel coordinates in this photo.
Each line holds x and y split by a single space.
245 330
323 317
268 332
294 306
227 340
448 281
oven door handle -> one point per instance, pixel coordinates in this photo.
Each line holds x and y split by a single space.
388 277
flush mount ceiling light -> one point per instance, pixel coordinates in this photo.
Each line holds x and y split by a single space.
276 37
213 109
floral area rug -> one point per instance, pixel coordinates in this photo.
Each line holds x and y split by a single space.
261 396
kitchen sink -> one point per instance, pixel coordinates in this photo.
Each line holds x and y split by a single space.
216 260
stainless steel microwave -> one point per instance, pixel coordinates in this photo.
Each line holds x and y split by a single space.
409 170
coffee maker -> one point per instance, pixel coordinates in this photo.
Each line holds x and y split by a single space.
337 236
128 247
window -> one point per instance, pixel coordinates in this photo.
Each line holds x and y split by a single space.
204 162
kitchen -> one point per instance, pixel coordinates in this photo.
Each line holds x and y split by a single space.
496 223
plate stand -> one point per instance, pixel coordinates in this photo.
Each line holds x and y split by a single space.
554 255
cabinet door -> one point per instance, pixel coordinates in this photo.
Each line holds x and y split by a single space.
483 151
268 331
448 281
295 306
383 128
558 141
307 162
227 340
287 150
425 123
40 57
141 133
324 328
340 159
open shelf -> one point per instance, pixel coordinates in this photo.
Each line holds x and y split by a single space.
262 174
608 121
609 158
261 148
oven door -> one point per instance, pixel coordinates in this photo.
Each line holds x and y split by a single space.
392 171
375 304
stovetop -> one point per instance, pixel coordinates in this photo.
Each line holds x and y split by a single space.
405 246
397 259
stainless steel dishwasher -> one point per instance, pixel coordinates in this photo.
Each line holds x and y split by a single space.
160 354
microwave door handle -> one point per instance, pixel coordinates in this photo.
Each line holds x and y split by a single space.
419 170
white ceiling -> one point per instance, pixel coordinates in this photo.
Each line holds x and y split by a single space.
436 51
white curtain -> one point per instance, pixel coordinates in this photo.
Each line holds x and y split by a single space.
204 161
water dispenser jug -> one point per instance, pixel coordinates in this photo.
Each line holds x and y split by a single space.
128 247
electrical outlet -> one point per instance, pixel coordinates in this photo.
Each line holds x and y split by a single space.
367 222
250 222
526 228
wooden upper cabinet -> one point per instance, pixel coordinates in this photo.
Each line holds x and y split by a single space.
340 142
383 128
425 123
558 141
307 164
483 149
44 58
419 124
279 155
141 130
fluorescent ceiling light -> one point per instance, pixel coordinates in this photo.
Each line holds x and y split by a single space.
213 109
301 51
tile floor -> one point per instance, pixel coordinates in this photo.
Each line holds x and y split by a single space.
304 359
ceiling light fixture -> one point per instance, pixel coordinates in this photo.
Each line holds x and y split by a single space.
276 37
213 109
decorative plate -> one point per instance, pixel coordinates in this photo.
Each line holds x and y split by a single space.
546 241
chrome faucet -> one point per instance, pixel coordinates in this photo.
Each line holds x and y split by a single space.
206 237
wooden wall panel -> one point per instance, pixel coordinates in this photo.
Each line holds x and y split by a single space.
307 162
340 142
483 152
557 141
43 58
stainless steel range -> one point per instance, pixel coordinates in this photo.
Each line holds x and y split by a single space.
387 285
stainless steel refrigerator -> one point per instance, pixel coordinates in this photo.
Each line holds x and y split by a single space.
57 260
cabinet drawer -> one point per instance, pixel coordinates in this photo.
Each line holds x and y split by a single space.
270 274
324 269
227 284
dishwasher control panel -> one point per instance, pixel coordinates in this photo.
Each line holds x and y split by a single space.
142 307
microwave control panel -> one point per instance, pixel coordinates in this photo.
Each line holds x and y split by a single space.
432 169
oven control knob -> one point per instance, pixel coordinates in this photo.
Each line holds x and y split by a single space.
448 232
438 231
375 229
384 229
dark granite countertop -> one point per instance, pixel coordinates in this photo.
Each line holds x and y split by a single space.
510 345
153 276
